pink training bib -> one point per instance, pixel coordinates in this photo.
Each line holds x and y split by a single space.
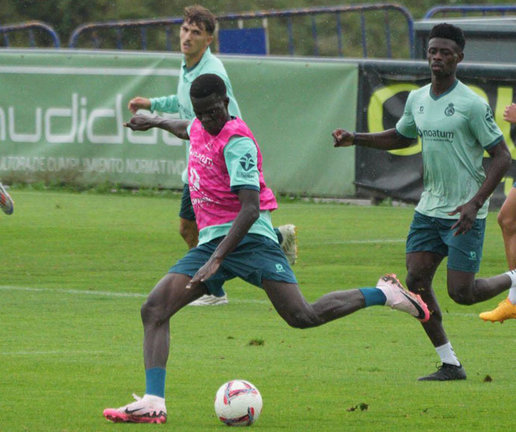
208 177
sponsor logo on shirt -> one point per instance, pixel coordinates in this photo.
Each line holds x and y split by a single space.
439 135
279 268
202 158
247 162
194 179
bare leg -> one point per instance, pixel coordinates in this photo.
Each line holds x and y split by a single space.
464 289
421 268
167 297
189 232
289 302
507 222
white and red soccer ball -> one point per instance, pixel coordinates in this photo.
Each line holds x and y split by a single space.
238 403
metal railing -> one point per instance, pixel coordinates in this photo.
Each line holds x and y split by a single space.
468 10
326 31
36 33
143 25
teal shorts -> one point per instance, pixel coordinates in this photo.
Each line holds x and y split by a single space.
430 234
186 211
255 258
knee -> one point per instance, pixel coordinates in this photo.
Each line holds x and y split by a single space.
418 281
151 314
461 296
301 320
507 221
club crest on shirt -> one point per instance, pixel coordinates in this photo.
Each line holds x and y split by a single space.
489 114
450 110
247 162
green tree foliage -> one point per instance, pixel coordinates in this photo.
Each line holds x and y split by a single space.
66 15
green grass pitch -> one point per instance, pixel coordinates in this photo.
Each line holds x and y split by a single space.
76 267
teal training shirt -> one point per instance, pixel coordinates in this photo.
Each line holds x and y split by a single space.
455 128
181 103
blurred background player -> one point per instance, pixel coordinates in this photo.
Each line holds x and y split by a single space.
456 126
236 239
507 221
196 35
6 202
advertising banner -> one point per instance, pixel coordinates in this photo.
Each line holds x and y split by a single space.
61 115
384 88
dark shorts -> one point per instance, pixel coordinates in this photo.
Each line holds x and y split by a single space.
256 258
429 234
186 210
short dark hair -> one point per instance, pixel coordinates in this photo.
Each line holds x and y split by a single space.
448 31
207 84
201 16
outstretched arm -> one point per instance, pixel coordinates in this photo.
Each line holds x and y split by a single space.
386 140
500 163
144 122
247 216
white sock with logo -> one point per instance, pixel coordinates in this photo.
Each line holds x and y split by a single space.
512 291
447 354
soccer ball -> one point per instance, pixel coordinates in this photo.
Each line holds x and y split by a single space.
238 403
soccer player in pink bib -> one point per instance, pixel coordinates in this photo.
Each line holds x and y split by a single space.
233 206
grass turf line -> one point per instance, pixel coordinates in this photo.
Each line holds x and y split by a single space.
67 356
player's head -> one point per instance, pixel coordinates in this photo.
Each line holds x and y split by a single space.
200 16
210 102
450 32
196 32
445 50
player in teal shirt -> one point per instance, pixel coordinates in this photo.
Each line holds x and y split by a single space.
456 127
196 35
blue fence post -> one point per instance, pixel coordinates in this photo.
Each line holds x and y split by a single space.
363 31
314 35
387 28
290 36
339 34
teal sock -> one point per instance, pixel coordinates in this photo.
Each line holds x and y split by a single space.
155 381
373 296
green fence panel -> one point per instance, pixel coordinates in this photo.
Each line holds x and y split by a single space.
61 116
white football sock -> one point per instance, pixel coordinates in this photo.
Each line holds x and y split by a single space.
512 295
512 291
447 354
